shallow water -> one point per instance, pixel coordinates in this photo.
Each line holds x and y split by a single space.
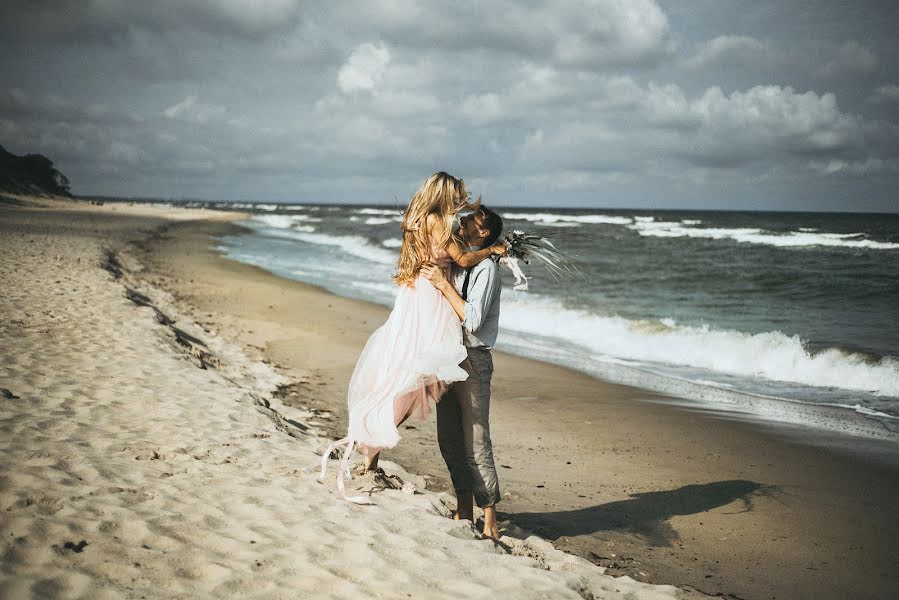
711 306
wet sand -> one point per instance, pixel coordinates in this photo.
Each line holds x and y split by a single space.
612 473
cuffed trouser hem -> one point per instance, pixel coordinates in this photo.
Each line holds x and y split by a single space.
463 430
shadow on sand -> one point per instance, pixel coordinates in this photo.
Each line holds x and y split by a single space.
645 514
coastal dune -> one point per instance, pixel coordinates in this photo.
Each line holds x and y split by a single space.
151 448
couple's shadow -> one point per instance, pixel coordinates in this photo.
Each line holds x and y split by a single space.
645 514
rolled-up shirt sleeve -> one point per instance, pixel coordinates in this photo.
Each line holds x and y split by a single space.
483 287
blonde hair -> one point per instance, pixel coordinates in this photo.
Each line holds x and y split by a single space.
443 196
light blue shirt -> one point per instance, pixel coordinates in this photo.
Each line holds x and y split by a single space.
481 324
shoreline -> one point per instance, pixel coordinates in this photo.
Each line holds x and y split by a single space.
144 455
836 411
169 471
706 466
837 427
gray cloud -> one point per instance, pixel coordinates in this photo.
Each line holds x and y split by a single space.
886 93
851 57
728 49
102 21
584 103
589 34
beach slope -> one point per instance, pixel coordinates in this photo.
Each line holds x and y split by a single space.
611 473
146 454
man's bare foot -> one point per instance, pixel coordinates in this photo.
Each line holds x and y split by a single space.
464 506
491 532
490 529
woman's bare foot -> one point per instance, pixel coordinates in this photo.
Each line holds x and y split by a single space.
490 529
369 456
371 462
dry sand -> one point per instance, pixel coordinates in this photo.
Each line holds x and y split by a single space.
644 488
144 456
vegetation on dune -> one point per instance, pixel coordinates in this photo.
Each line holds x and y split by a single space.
31 174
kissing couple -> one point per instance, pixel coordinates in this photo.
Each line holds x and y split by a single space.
435 346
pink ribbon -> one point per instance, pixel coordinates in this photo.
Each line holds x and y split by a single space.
343 471
521 280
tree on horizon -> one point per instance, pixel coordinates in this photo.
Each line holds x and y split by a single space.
30 174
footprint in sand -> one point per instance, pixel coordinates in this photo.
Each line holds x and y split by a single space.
43 505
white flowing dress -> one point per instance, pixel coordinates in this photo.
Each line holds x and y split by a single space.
406 363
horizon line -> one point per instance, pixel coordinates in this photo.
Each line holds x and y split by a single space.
503 206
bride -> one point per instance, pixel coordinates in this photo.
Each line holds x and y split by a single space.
415 355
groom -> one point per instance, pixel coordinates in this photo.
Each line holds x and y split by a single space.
463 414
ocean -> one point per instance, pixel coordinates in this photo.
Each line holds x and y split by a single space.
783 317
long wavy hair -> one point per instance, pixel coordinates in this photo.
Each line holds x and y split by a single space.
443 196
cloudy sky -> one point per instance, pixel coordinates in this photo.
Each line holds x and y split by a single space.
602 103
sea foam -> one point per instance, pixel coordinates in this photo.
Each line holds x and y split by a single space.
285 221
753 235
294 227
351 244
550 218
773 355
389 212
380 221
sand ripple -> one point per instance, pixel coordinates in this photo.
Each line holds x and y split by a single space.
126 470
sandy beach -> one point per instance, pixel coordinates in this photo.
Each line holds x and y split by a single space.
163 403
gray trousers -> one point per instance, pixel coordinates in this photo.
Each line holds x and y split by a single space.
463 430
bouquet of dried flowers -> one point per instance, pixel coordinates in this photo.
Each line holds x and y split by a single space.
526 246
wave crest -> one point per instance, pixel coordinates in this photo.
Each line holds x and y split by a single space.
773 355
555 219
752 235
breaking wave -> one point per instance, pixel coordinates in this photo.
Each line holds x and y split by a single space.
773 355
751 235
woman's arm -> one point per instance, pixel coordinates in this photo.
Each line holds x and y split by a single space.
437 277
457 253
469 259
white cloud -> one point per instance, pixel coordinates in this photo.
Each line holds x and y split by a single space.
540 85
768 121
398 91
194 112
608 32
726 49
667 106
584 34
849 58
775 111
573 94
364 68
625 125
886 93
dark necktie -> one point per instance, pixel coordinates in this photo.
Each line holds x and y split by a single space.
465 283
